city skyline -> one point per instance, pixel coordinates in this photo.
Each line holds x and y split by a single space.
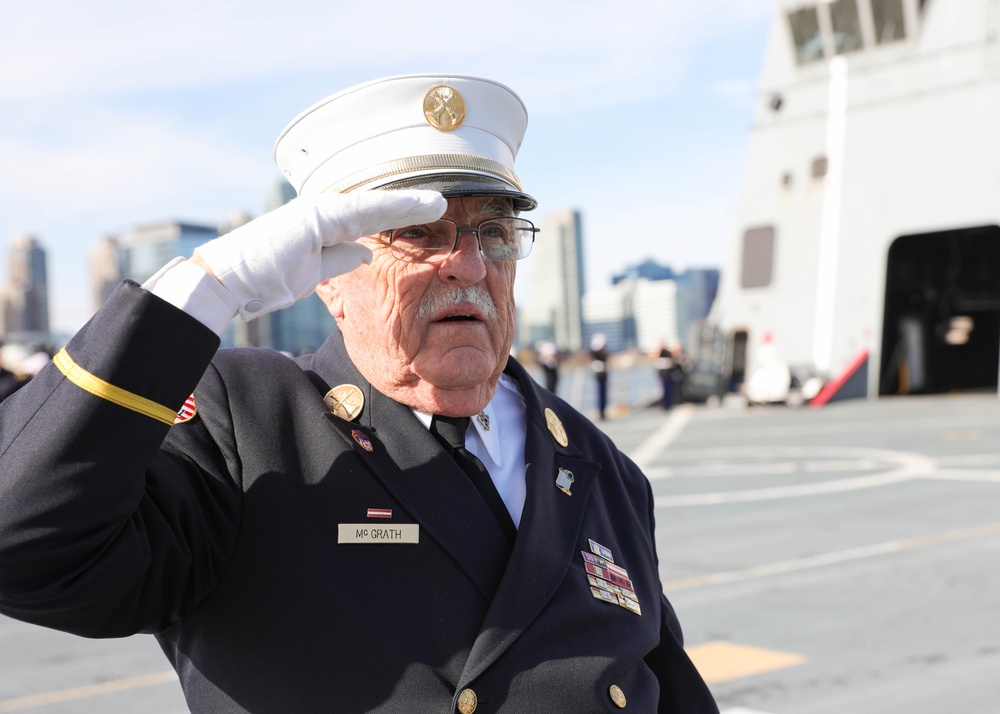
648 304
550 313
638 116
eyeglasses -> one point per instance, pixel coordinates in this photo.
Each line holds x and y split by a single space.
500 239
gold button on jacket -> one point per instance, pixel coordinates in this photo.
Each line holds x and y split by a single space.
467 701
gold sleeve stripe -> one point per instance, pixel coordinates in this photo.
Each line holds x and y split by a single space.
98 387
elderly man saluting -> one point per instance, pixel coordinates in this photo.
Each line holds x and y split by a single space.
401 522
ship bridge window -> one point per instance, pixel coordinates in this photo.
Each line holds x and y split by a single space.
758 257
889 21
808 40
846 26
838 27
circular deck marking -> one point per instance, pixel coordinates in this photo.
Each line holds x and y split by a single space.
749 461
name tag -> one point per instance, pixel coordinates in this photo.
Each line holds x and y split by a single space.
367 533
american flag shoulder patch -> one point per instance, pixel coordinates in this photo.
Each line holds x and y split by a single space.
187 412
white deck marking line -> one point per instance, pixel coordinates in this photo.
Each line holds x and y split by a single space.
964 475
807 427
579 379
970 460
776 492
908 466
765 468
662 437
742 453
834 558
90 690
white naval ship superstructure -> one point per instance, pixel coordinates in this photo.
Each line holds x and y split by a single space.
868 245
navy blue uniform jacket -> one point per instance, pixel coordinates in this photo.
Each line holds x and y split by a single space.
219 536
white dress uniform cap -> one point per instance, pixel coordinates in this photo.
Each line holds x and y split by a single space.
455 134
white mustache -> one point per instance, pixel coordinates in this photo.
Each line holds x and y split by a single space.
475 295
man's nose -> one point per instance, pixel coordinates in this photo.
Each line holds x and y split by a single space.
465 263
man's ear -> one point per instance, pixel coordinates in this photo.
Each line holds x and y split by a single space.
329 293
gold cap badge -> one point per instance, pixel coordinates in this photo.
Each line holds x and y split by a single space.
556 427
345 401
444 108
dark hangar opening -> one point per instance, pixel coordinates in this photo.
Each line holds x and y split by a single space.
941 325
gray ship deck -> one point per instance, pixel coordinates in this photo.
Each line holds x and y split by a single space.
823 561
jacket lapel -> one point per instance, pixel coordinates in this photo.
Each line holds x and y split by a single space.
548 533
410 464
435 492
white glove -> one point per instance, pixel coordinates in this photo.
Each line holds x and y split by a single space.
282 256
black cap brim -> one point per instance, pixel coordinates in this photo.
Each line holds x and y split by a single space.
457 185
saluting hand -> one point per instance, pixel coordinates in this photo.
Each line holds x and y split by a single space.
282 256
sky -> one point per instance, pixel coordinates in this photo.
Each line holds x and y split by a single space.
115 113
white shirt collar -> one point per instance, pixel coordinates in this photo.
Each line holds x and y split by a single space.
507 396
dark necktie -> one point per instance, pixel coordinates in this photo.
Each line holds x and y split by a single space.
450 431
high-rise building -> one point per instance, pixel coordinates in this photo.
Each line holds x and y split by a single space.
26 299
148 248
695 290
608 312
143 250
555 308
633 314
302 327
107 268
280 194
655 308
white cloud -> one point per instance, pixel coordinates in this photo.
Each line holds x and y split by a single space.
89 149
121 163
63 46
